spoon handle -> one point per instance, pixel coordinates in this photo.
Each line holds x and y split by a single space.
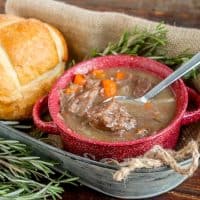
182 70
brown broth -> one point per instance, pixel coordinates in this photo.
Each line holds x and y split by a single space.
162 111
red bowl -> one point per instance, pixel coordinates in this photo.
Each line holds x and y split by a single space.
78 144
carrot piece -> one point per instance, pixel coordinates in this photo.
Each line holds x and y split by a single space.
99 74
120 75
110 87
68 91
79 79
148 105
71 89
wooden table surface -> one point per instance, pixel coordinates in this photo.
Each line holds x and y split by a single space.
179 12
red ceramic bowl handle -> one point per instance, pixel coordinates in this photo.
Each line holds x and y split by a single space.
192 116
47 127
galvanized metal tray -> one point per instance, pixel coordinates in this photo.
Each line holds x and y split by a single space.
140 184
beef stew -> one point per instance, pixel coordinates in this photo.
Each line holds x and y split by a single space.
83 110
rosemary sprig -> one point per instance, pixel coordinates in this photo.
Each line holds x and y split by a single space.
137 42
17 125
70 64
146 43
25 177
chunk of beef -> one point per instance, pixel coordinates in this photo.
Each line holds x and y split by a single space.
140 86
111 116
80 103
90 83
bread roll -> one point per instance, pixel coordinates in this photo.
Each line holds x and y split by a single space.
32 56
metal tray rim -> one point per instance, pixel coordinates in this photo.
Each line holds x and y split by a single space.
135 197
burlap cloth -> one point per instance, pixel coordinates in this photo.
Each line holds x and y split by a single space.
85 30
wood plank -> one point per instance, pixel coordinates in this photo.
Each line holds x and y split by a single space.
178 12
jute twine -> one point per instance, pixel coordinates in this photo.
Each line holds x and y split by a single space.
157 157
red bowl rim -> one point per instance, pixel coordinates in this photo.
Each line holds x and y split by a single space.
54 97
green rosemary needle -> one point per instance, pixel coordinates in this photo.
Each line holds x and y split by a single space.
25 177
146 43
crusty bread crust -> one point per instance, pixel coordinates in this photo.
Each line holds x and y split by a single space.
32 57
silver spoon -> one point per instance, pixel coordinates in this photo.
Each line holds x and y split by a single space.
181 71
